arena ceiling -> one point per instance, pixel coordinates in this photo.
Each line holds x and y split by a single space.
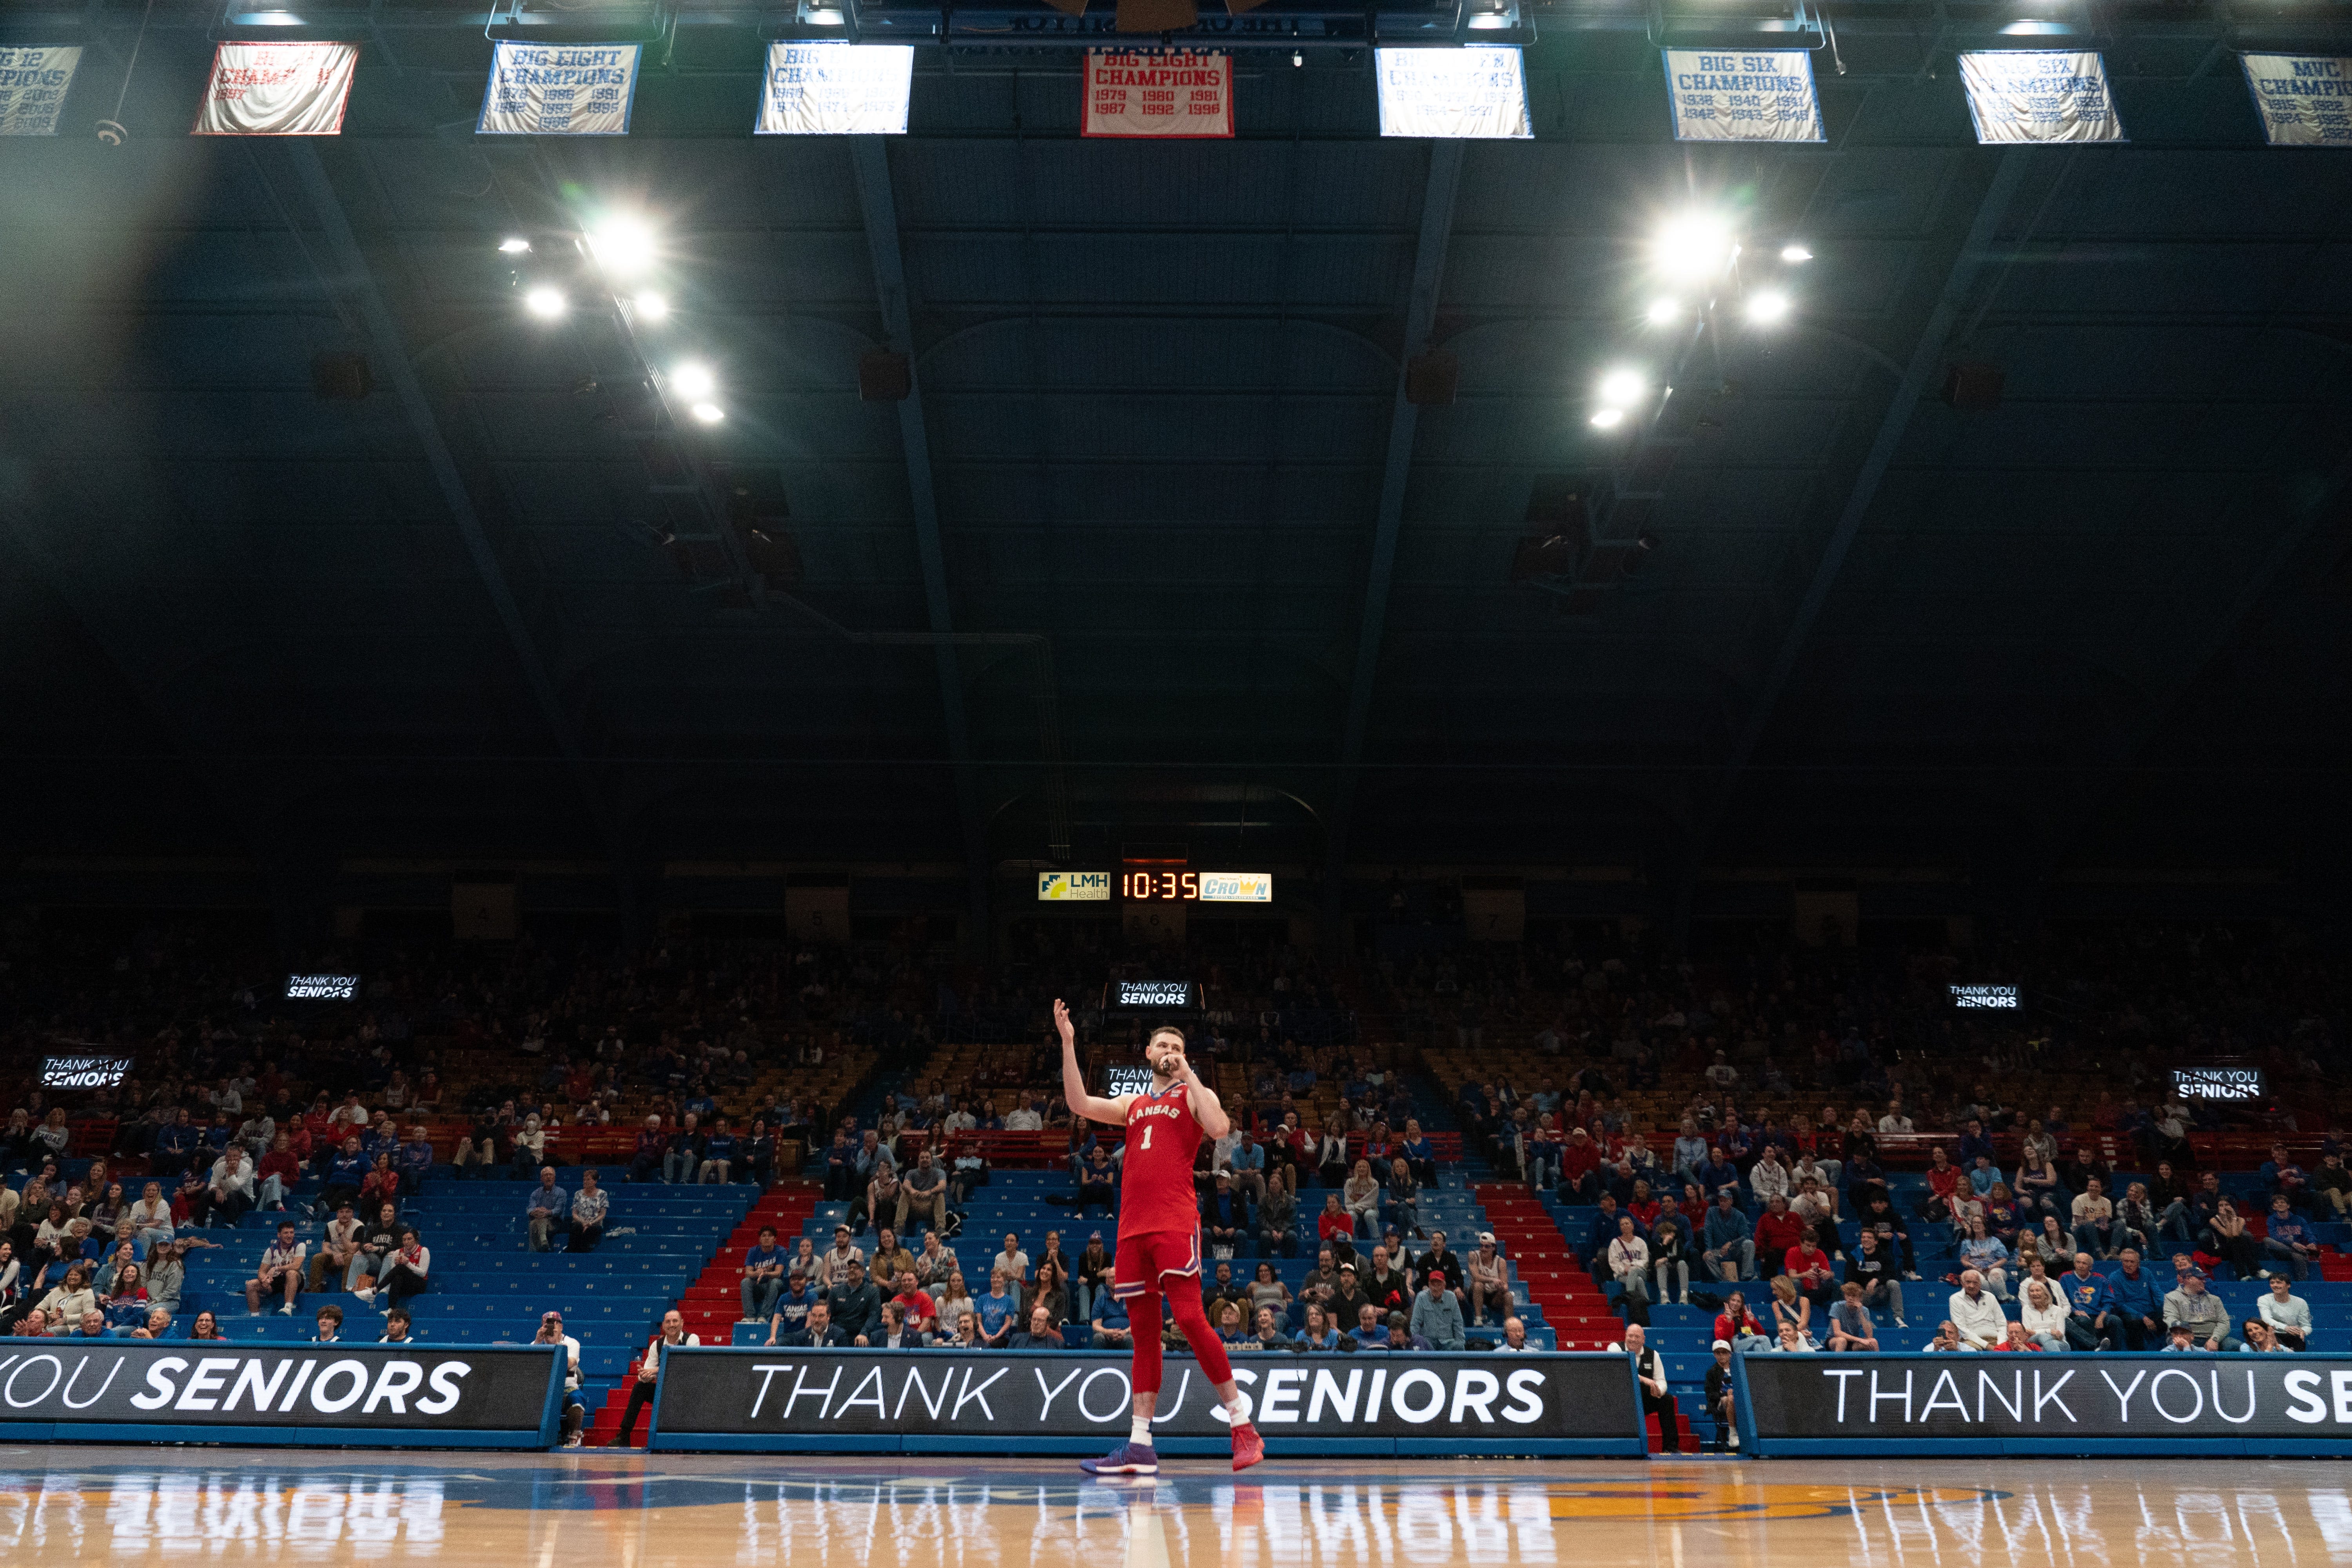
1158 546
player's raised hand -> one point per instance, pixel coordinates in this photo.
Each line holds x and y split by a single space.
1062 1023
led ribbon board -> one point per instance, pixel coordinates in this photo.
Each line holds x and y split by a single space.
1155 993
321 987
1984 995
84 1072
2218 1083
1073 886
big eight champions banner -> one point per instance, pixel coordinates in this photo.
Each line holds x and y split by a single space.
944 1400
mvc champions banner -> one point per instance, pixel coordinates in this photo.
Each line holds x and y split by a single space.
2040 95
277 90
1478 92
2042 1404
1720 96
2305 100
836 89
560 90
33 84
198 1391
1158 92
939 1400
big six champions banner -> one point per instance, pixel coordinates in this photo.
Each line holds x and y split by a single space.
2305 100
277 90
1743 95
1921 1404
2040 95
743 1399
560 90
33 86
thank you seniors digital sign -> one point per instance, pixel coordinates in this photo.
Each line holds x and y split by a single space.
321 987
1995 997
84 1071
1910 1403
748 1399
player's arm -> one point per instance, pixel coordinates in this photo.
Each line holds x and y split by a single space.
1092 1107
1206 1109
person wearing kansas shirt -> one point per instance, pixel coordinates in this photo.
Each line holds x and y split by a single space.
2093 1319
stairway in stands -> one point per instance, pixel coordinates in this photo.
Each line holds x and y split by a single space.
713 1302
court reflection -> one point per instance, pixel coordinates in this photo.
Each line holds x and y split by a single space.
592 1511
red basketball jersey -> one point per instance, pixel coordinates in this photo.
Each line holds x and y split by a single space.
1156 1190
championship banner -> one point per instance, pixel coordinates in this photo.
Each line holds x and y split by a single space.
33 84
836 89
1718 96
1477 92
944 1401
2305 100
2108 1403
560 90
276 90
215 1391
2040 95
1158 92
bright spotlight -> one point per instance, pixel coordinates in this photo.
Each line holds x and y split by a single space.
1766 307
1663 311
1620 387
1608 419
1695 246
515 245
544 302
709 413
694 381
622 245
651 307
1793 253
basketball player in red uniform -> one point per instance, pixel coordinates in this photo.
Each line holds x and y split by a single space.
1159 1249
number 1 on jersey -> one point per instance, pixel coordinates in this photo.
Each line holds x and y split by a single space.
1147 1135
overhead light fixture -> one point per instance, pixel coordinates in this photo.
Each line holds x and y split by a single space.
651 307
1793 253
1620 387
1488 21
1663 310
1608 419
1695 246
694 381
622 245
1768 307
515 245
544 302
825 17
709 413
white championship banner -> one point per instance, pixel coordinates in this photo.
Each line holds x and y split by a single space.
1158 92
836 89
277 90
1477 92
1718 95
33 84
560 90
2305 100
2040 95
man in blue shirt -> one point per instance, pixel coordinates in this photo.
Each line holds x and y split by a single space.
1716 1175
2092 1322
1111 1327
763 1274
1247 1163
2282 1177
176 1145
791 1313
1731 1249
346 1169
718 1155
1973 1143
2138 1303
414 1163
550 1206
2290 1238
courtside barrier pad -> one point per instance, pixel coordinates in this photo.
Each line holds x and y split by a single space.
206 1391
721 1399
1793 1406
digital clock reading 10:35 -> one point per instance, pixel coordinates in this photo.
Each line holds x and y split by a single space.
1197 886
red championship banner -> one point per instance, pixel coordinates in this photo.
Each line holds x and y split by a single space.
276 90
1158 92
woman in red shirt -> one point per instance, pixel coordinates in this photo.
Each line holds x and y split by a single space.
1737 1324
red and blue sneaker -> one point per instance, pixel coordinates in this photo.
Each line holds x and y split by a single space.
1248 1447
1126 1460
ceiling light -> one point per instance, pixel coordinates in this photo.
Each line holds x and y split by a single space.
1793 253
544 301
1620 387
694 381
1663 310
1608 419
825 17
514 245
1489 20
652 307
622 245
1695 246
709 413
1767 307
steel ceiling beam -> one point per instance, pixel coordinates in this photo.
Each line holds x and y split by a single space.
869 160
1927 355
1388 520
390 352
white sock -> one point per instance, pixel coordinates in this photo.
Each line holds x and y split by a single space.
1236 1411
1139 1431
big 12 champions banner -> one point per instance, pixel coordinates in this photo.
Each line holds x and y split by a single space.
560 90
1158 92
33 86
942 1399
277 90
221 1390
2192 1403
2040 95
